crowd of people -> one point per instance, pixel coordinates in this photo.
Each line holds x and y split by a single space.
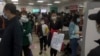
17 27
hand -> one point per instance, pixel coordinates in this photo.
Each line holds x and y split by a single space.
59 31
79 33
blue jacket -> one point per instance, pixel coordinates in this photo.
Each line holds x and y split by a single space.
73 29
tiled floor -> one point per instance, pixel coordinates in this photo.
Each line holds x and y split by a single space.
36 48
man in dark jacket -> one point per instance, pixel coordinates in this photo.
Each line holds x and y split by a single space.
11 43
95 51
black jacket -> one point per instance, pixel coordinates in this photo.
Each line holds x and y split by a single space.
11 44
66 20
39 31
57 25
95 52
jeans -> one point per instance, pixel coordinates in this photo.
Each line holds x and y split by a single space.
74 46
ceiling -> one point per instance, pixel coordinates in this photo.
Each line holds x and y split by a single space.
63 2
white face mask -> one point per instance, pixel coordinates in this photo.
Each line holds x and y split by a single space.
78 19
24 18
42 22
54 18
5 16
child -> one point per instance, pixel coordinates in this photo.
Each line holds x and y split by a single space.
43 33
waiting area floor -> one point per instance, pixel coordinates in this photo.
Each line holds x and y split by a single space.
36 48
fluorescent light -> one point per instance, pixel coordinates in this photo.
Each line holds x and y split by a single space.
40 1
31 3
15 3
49 4
57 2
14 0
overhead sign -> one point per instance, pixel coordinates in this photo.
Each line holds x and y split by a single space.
54 9
73 7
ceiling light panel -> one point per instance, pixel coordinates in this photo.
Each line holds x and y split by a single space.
57 1
31 3
49 4
40 1
14 0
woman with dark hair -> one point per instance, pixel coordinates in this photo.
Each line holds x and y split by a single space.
26 24
74 34
55 26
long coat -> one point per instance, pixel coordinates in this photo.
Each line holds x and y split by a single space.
27 29
11 43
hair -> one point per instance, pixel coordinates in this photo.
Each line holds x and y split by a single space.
11 7
74 19
18 13
98 18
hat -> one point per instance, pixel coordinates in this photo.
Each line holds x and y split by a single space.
95 17
97 41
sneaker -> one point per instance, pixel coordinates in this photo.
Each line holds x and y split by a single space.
40 53
45 49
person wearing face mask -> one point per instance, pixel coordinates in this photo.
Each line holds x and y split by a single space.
11 42
55 26
26 32
43 31
74 35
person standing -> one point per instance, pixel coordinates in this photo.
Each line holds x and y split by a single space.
55 26
26 24
11 43
74 34
43 31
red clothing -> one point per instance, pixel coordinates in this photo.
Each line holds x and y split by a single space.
52 31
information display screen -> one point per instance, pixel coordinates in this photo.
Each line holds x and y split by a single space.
36 10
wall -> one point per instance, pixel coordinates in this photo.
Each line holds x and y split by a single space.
29 8
89 29
1 8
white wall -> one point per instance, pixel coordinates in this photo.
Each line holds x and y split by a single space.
91 34
1 8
